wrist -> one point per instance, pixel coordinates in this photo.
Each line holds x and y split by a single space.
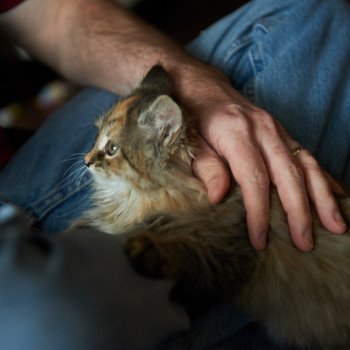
199 85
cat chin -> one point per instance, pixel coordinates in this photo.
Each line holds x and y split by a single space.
112 184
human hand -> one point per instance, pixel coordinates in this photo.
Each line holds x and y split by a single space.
259 152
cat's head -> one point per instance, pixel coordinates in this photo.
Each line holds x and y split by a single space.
143 137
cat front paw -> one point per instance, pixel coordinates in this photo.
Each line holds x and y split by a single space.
144 253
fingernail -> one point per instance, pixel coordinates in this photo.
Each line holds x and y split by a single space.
308 239
339 219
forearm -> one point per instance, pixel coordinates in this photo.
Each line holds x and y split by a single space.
109 47
93 42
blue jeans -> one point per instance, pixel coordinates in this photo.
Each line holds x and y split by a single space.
290 57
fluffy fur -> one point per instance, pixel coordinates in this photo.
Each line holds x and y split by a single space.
145 187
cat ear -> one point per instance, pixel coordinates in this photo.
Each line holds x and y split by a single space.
164 117
158 80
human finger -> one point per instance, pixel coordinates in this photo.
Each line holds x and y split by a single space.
320 193
287 175
211 170
320 187
240 150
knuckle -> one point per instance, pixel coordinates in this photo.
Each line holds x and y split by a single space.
279 151
241 124
290 172
260 179
296 172
266 120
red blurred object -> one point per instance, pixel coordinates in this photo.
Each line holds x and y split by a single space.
8 4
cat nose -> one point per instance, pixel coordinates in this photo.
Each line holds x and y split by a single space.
88 162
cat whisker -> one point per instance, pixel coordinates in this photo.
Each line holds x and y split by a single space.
90 123
85 169
73 156
66 178
78 175
73 173
81 203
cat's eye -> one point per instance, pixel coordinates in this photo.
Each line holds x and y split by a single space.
111 148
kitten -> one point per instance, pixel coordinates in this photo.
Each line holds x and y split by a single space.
144 186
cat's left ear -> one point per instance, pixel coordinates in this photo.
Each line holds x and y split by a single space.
164 117
157 79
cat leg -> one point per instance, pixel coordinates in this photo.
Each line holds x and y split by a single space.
198 254
147 255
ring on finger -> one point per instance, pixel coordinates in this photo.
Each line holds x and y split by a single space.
297 150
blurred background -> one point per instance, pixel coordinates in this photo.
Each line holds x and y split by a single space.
30 91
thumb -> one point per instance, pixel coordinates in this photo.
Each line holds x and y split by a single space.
211 170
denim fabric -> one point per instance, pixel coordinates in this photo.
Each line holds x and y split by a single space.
290 57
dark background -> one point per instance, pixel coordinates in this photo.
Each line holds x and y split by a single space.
184 19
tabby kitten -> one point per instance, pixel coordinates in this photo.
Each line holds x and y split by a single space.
144 186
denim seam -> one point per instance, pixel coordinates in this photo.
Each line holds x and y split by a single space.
264 26
235 46
233 49
256 60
